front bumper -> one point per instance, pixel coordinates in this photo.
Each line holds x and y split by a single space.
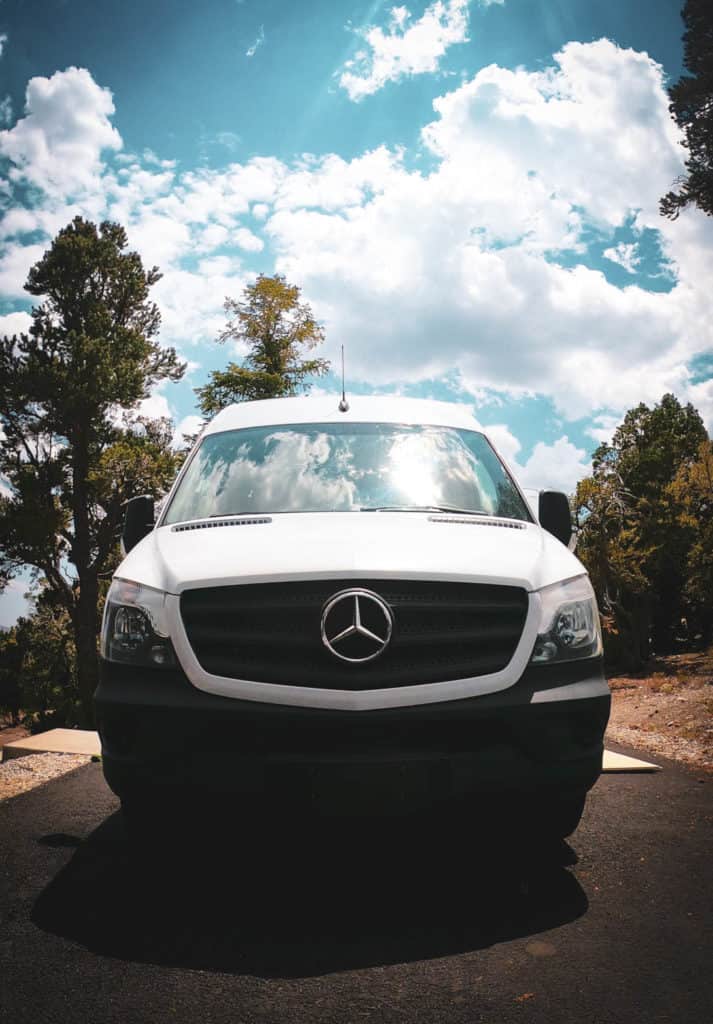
157 730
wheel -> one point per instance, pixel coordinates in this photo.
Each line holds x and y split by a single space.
139 824
558 817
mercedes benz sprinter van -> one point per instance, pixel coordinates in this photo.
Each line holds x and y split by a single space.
339 603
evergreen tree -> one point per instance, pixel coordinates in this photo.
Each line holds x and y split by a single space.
692 108
692 490
69 461
277 328
633 538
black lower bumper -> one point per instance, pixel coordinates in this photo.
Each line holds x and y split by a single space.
157 730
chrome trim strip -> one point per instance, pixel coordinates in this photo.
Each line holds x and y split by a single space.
595 687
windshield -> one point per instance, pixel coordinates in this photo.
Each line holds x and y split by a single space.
344 467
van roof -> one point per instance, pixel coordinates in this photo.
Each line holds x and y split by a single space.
325 409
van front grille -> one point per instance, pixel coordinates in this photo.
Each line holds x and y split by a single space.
271 632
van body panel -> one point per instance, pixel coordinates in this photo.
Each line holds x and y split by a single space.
493 593
314 545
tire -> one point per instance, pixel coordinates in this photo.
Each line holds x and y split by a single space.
137 821
558 818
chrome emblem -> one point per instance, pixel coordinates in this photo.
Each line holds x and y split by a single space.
344 632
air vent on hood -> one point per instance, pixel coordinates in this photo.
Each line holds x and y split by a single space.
507 524
209 524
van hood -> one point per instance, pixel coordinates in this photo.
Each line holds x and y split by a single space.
346 545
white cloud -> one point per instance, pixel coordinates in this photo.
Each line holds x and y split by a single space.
191 364
625 254
6 103
58 145
558 466
14 603
155 406
160 240
191 302
455 269
252 50
505 442
701 397
404 47
603 427
5 111
229 140
245 239
14 323
211 237
423 275
218 265
188 425
169 218
560 125
15 264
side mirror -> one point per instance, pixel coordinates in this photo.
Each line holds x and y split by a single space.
138 522
555 516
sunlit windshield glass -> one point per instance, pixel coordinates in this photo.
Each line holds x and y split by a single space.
327 467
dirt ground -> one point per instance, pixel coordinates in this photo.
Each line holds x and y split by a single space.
668 710
21 774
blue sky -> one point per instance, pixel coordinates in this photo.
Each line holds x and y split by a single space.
466 192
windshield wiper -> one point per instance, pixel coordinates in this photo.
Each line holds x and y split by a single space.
424 508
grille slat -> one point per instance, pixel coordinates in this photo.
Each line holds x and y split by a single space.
270 632
216 636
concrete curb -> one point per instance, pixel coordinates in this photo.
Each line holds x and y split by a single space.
55 741
623 763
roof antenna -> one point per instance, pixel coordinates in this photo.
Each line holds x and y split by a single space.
344 404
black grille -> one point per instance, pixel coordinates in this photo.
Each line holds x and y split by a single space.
270 632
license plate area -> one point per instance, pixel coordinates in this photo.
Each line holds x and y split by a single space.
362 787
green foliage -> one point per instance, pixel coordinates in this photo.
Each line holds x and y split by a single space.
38 672
69 458
11 654
49 683
276 327
692 490
635 539
692 107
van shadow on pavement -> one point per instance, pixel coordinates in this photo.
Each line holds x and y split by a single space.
305 899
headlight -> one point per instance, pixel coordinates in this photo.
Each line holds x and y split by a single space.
569 622
134 627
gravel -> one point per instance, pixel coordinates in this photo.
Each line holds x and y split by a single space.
20 774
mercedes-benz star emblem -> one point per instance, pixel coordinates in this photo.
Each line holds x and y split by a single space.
356 625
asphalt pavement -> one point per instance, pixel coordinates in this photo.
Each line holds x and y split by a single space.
429 923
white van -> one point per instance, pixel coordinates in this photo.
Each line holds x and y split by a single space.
354 604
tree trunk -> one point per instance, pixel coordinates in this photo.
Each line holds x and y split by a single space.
85 612
642 618
85 638
663 625
632 617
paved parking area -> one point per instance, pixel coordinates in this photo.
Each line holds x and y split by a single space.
361 923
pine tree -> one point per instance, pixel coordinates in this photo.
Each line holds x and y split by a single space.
68 460
277 328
